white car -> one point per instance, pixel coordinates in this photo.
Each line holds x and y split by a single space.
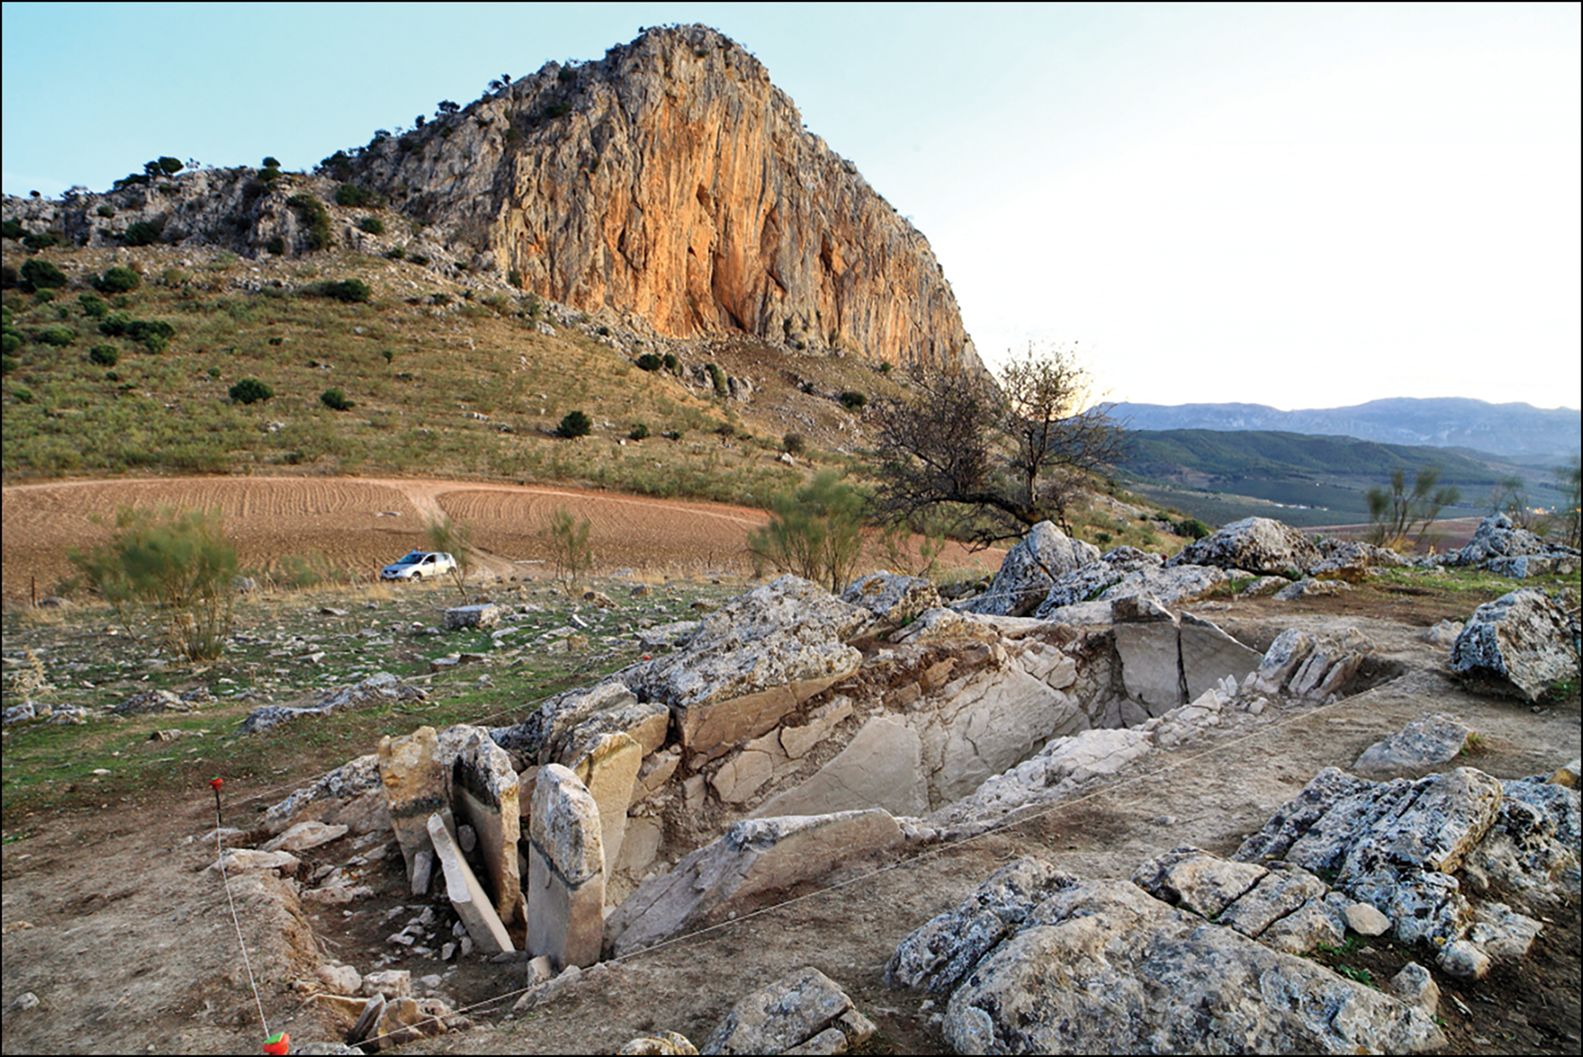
419 565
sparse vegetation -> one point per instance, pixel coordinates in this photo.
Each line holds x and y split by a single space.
41 274
176 563
570 554
316 217
143 232
451 537
1400 516
853 400
574 424
335 400
250 391
350 291
371 225
814 532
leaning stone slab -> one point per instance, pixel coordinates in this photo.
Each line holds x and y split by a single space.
566 871
1422 744
1519 643
788 1014
1151 667
467 896
484 795
752 858
609 770
414 784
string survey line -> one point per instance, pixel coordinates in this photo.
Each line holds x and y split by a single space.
927 853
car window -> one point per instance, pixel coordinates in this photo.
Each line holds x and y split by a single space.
410 558
429 560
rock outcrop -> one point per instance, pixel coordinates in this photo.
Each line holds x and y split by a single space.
1510 550
804 1012
1521 643
1417 747
1029 570
1256 545
671 180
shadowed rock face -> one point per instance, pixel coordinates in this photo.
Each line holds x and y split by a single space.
672 181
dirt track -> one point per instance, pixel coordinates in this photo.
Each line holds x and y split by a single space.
359 524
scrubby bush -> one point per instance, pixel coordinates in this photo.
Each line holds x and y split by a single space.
10 342
250 391
814 532
570 554
316 217
335 400
794 443
671 363
1192 528
41 241
650 362
153 334
57 337
575 424
639 432
177 563
117 280
12 229
348 290
143 232
356 197
441 299
853 400
93 307
371 225
106 210
104 355
717 378
41 275
271 162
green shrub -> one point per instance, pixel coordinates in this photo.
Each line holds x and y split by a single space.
570 554
514 277
335 400
143 232
355 197
852 400
21 395
104 355
276 245
9 279
41 274
348 290
395 253
43 297
717 377
271 162
177 563
672 364
58 337
814 532
639 432
316 217
794 443
106 210
10 342
440 299
117 280
371 225
1192 528
168 165
9 363
650 362
250 391
575 424
93 307
12 229
114 325
42 241
152 334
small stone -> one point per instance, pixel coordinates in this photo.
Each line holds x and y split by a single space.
1416 986
392 983
1463 959
341 979
26 1000
1366 921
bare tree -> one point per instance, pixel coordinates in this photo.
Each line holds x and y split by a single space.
995 459
1399 515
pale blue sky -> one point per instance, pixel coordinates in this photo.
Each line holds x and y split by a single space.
1297 205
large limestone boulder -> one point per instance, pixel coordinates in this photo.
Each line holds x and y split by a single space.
1029 570
753 661
1422 744
1520 643
1166 586
567 726
1399 847
752 858
1088 581
803 1012
1311 665
1352 559
1101 967
892 598
1498 544
1258 545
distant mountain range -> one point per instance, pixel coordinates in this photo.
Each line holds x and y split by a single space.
1514 430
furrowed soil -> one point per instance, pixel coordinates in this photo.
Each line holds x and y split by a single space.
356 525
111 919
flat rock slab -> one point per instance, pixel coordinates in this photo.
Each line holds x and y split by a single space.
467 896
1419 746
880 767
752 858
788 1014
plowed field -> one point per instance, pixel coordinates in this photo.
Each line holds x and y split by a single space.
359 524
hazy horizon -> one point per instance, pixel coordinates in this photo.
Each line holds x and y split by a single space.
1301 207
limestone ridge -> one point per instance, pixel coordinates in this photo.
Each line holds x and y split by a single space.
672 181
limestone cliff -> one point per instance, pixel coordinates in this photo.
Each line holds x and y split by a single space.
673 182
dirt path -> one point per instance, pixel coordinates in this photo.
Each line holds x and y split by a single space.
129 946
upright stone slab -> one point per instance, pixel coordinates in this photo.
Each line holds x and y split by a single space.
484 793
467 896
414 785
566 870
1151 663
1209 655
609 770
